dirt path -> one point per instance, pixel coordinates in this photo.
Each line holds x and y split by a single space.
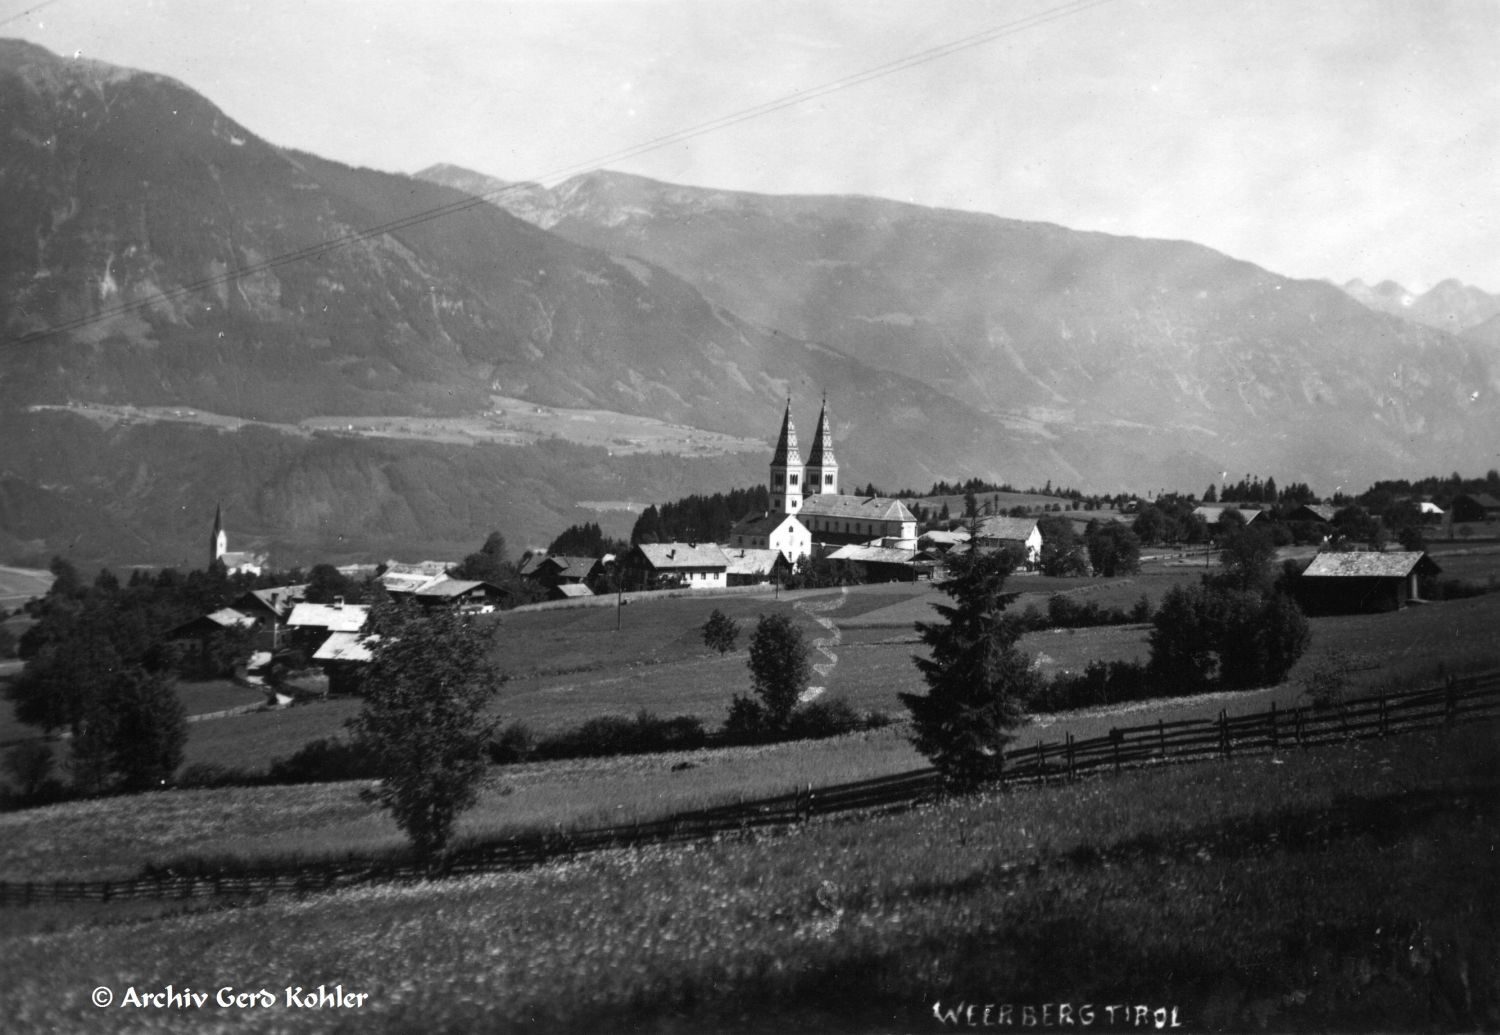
816 610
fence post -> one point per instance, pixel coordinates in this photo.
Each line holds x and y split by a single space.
1224 733
1071 773
1297 725
1161 738
1384 729
1041 759
1450 702
1115 736
1274 739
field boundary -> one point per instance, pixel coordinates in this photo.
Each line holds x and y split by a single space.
1456 701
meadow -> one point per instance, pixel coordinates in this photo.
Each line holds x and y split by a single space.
1237 893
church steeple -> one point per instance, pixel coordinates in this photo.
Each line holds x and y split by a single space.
822 467
220 542
786 469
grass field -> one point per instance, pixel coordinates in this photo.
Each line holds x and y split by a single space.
1238 893
197 698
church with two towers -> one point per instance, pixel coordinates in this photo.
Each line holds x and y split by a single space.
807 509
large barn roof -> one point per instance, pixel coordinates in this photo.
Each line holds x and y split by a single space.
855 508
1396 565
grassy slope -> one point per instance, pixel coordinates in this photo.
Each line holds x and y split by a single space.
1238 892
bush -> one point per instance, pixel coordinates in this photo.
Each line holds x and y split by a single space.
30 766
1101 683
620 735
325 761
208 774
515 743
819 719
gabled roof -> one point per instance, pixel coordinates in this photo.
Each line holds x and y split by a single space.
419 568
668 556
1483 499
205 625
871 554
333 617
1323 511
761 524
751 560
855 508
345 646
1396 565
1008 528
276 599
409 581
565 565
570 590
447 589
943 538
1212 515
531 563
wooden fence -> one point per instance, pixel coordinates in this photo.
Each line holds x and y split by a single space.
1475 699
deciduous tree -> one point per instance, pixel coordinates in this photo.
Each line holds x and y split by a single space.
779 668
426 689
720 632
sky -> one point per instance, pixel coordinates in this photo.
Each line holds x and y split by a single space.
1332 139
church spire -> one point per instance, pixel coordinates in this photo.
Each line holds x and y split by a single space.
786 468
220 542
822 467
786 454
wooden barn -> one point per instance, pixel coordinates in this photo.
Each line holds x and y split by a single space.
1360 583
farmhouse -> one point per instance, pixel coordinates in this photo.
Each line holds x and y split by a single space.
465 594
1020 534
886 563
752 567
772 531
666 565
1214 516
1319 513
1479 506
1352 583
558 570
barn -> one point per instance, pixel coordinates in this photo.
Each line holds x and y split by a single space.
1360 583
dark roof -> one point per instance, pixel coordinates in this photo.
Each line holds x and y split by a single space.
575 566
1483 499
761 524
450 588
786 446
1321 511
821 454
1396 565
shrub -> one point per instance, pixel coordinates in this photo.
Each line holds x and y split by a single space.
720 632
30 766
515 743
325 761
609 735
819 719
209 774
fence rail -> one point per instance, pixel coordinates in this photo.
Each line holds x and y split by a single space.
1473 699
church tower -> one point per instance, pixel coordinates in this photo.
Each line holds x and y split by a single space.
786 469
822 469
220 543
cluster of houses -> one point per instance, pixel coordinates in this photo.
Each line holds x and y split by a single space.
808 517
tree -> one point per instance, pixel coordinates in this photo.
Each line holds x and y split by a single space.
1062 554
1113 549
779 668
978 681
148 729
1183 640
1247 553
720 632
425 691
326 584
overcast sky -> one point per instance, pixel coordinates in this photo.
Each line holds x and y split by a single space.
1318 138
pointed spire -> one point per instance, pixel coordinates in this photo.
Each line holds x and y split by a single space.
219 542
786 454
822 448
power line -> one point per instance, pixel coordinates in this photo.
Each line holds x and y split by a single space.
28 11
977 39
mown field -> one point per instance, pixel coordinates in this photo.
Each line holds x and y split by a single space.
1237 893
18 585
566 666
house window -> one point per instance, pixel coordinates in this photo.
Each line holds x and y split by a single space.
793 477
780 479
828 479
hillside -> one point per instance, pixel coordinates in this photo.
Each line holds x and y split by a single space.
1449 306
1160 358
153 252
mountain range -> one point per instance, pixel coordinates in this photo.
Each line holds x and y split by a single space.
1449 305
155 253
